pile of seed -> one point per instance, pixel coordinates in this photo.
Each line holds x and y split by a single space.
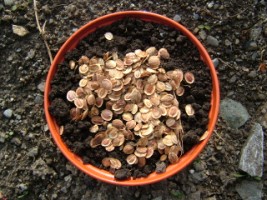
132 105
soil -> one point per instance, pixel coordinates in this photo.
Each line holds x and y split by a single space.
31 165
138 37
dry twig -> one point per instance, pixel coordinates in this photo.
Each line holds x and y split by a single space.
42 31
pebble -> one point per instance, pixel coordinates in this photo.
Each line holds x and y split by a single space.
255 33
250 190
251 160
16 141
19 30
234 113
195 16
251 45
177 18
22 187
252 74
215 62
33 152
202 34
8 2
199 166
8 113
41 86
212 41
38 99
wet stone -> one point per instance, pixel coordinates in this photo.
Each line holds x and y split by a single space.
234 113
250 190
251 160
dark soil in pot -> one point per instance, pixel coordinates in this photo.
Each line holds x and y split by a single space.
129 35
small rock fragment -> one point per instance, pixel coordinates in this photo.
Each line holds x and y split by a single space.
250 190
212 41
122 174
8 113
19 30
177 18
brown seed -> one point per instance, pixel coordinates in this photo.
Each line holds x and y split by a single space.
80 92
149 89
83 60
189 77
155 99
173 158
156 112
135 96
151 51
119 64
127 116
83 82
97 120
94 111
106 162
141 161
108 35
167 140
140 151
150 152
173 111
110 148
106 142
94 128
132 159
163 110
118 85
128 134
80 103
154 62
163 157
112 132
170 122
179 91
96 141
102 93
152 79
118 123
83 69
118 141
71 95
115 163
163 53
90 99
99 102
167 97
106 115
189 110
128 149
127 80
147 103
106 84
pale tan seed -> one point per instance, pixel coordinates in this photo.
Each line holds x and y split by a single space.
99 102
152 79
115 163
140 53
106 142
94 128
155 99
160 144
111 64
119 140
156 112
138 127
163 157
170 122
163 53
149 89
167 140
151 71
151 51
83 69
127 116
128 149
146 116
204 136
189 110
112 132
94 111
127 80
173 111
106 84
173 158
80 103
179 91
189 77
138 117
71 95
163 110
150 152
147 103
147 131
106 114
97 120
144 110
128 70
119 64
174 138
154 62
132 159
134 109
72 64
90 99
108 35
110 148
137 74
83 82
168 86
160 86
140 151
102 93
118 123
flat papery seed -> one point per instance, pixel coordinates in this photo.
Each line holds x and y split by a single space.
135 96
168 86
83 69
167 140
119 140
106 142
72 64
119 112
148 131
71 95
149 89
160 86
80 92
147 103
142 142
80 103
128 61
75 113
140 53
94 111
106 162
173 158
97 120
163 110
83 82
61 130
151 51
119 75
128 134
163 157
179 91
83 60
144 110
152 79
118 123
167 97
112 133
99 102
128 149
128 70
189 110
137 74
146 116
140 151
141 162
128 107
156 113
134 109
119 64
102 93
189 77
139 84
106 84
94 128
96 141
138 127
127 117
90 99
173 111
132 159
174 138
170 122
93 85
127 80
154 62
155 99
161 145
108 35
113 97
115 163
110 148
163 53
106 114
111 64
150 152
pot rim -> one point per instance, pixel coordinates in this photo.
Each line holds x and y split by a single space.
72 42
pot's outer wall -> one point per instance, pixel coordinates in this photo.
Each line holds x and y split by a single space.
73 41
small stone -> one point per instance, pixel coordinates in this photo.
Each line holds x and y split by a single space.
210 4
251 45
252 74
8 2
195 16
8 113
160 167
177 18
202 34
38 99
250 190
122 174
227 42
215 62
19 30
251 160
212 41
33 152
234 113
16 141
22 187
255 33
41 86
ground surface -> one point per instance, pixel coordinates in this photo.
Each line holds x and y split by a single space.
32 166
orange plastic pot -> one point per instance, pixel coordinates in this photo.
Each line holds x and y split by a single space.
71 43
